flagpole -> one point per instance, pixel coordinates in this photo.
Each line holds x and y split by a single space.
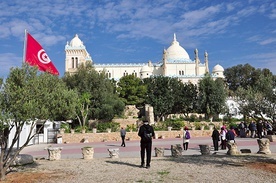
24 47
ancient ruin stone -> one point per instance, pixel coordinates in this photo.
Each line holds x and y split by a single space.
159 151
54 153
113 153
263 146
176 150
232 148
23 159
87 152
205 149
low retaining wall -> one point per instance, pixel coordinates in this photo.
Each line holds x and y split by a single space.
115 136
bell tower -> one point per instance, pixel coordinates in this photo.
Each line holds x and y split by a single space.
75 54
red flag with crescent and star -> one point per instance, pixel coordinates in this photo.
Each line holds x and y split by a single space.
36 56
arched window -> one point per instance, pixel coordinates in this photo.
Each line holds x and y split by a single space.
73 62
77 62
182 72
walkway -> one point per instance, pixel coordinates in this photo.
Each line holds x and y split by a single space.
132 148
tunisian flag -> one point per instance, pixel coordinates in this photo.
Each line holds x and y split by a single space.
36 56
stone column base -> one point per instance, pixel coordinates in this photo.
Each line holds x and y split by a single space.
159 151
87 152
205 149
232 148
176 150
263 146
54 153
113 153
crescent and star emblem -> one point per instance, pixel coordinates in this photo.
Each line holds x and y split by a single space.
43 57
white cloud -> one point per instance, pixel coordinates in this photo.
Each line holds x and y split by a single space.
268 41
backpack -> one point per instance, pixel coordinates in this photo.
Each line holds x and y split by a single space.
147 135
187 135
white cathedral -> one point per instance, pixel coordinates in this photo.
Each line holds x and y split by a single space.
175 62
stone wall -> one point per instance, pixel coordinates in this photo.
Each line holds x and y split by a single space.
115 136
126 121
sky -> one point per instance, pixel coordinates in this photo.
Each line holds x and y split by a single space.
136 31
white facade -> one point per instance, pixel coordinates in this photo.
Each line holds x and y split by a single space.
175 62
40 138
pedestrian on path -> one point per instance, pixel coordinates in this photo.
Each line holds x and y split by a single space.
186 138
146 133
223 137
123 136
215 138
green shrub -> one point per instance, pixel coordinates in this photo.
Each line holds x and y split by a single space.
66 126
174 123
102 126
131 127
79 129
197 125
160 126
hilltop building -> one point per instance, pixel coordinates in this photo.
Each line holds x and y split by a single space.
175 62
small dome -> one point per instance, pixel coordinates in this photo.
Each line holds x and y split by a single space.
76 42
218 68
145 68
176 52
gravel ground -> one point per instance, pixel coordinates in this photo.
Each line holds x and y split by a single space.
190 168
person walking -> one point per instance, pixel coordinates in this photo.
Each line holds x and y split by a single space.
252 128
186 138
146 133
215 138
260 129
123 136
242 129
223 137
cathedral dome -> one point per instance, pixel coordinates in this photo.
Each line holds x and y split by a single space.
76 42
218 68
176 52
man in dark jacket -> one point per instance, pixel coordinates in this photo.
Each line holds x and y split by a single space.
252 128
230 135
260 129
146 133
215 138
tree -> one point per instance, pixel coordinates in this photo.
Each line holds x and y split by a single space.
132 90
254 89
244 76
82 109
259 101
100 89
185 99
160 95
25 97
212 96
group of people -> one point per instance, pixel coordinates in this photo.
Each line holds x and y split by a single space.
259 129
146 133
223 136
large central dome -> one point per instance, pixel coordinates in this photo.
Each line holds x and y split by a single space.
176 52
